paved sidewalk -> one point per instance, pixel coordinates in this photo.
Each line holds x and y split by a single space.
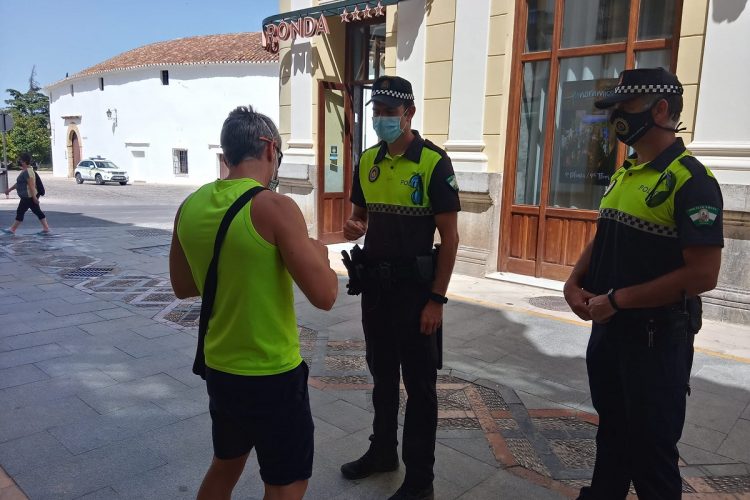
99 402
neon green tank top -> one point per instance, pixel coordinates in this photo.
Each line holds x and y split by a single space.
253 328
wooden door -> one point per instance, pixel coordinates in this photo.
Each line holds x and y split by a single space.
561 150
334 160
76 153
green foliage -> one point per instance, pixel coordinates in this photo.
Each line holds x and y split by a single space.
30 131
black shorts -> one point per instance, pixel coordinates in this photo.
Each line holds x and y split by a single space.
269 413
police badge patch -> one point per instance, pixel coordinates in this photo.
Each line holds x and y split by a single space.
374 173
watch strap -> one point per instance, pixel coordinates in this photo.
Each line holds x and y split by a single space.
611 297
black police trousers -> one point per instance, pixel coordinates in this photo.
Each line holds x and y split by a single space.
638 375
390 319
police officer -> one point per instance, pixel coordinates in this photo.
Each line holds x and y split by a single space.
403 189
657 246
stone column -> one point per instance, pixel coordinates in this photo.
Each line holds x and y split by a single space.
465 144
722 142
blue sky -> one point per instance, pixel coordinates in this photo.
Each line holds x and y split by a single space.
60 36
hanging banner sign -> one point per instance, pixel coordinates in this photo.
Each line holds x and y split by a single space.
304 27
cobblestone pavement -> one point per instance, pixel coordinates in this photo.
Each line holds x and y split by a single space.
99 400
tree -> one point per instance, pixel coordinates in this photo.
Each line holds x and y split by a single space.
30 131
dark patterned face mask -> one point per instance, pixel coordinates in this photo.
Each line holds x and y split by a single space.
630 127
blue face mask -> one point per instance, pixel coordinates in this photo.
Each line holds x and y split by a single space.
388 128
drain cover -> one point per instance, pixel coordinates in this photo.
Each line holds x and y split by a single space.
88 272
550 302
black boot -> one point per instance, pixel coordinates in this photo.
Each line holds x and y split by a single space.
370 463
409 493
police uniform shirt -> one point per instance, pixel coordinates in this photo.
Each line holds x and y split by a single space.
402 194
649 214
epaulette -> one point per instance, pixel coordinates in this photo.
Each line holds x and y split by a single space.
695 167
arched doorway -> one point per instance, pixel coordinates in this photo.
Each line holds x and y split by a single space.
75 153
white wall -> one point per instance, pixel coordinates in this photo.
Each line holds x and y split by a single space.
152 118
410 52
722 127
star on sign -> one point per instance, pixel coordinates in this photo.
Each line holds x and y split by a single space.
344 16
367 12
379 9
355 14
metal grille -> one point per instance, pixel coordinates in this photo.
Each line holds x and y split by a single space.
458 423
148 233
452 400
88 272
729 484
491 398
346 345
348 379
526 456
506 424
346 363
563 424
575 453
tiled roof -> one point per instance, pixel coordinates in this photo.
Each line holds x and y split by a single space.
208 49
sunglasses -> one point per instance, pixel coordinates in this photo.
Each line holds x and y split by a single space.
279 154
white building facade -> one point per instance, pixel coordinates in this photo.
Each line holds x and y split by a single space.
157 111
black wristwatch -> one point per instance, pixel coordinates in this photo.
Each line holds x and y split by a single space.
440 299
611 297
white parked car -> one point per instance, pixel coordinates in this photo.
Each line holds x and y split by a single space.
100 170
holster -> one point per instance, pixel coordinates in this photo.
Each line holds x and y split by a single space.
694 309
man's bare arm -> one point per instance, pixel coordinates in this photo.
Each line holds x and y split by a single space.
305 258
179 269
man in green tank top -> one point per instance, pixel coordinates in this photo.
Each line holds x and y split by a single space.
255 376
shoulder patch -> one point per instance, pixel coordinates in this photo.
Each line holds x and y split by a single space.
703 215
451 180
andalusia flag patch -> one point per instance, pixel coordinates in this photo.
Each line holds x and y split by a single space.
703 215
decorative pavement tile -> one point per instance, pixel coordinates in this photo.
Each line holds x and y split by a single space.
555 447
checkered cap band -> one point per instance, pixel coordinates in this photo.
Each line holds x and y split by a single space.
398 209
393 93
648 89
636 223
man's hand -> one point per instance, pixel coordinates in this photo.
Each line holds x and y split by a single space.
354 229
431 318
578 299
600 309
35 198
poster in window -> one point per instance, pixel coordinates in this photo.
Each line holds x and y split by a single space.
588 146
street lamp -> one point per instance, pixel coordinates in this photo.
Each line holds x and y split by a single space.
112 115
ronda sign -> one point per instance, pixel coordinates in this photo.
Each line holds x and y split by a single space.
304 27
308 26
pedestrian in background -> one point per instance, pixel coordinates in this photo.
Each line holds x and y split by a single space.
657 246
25 187
255 376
